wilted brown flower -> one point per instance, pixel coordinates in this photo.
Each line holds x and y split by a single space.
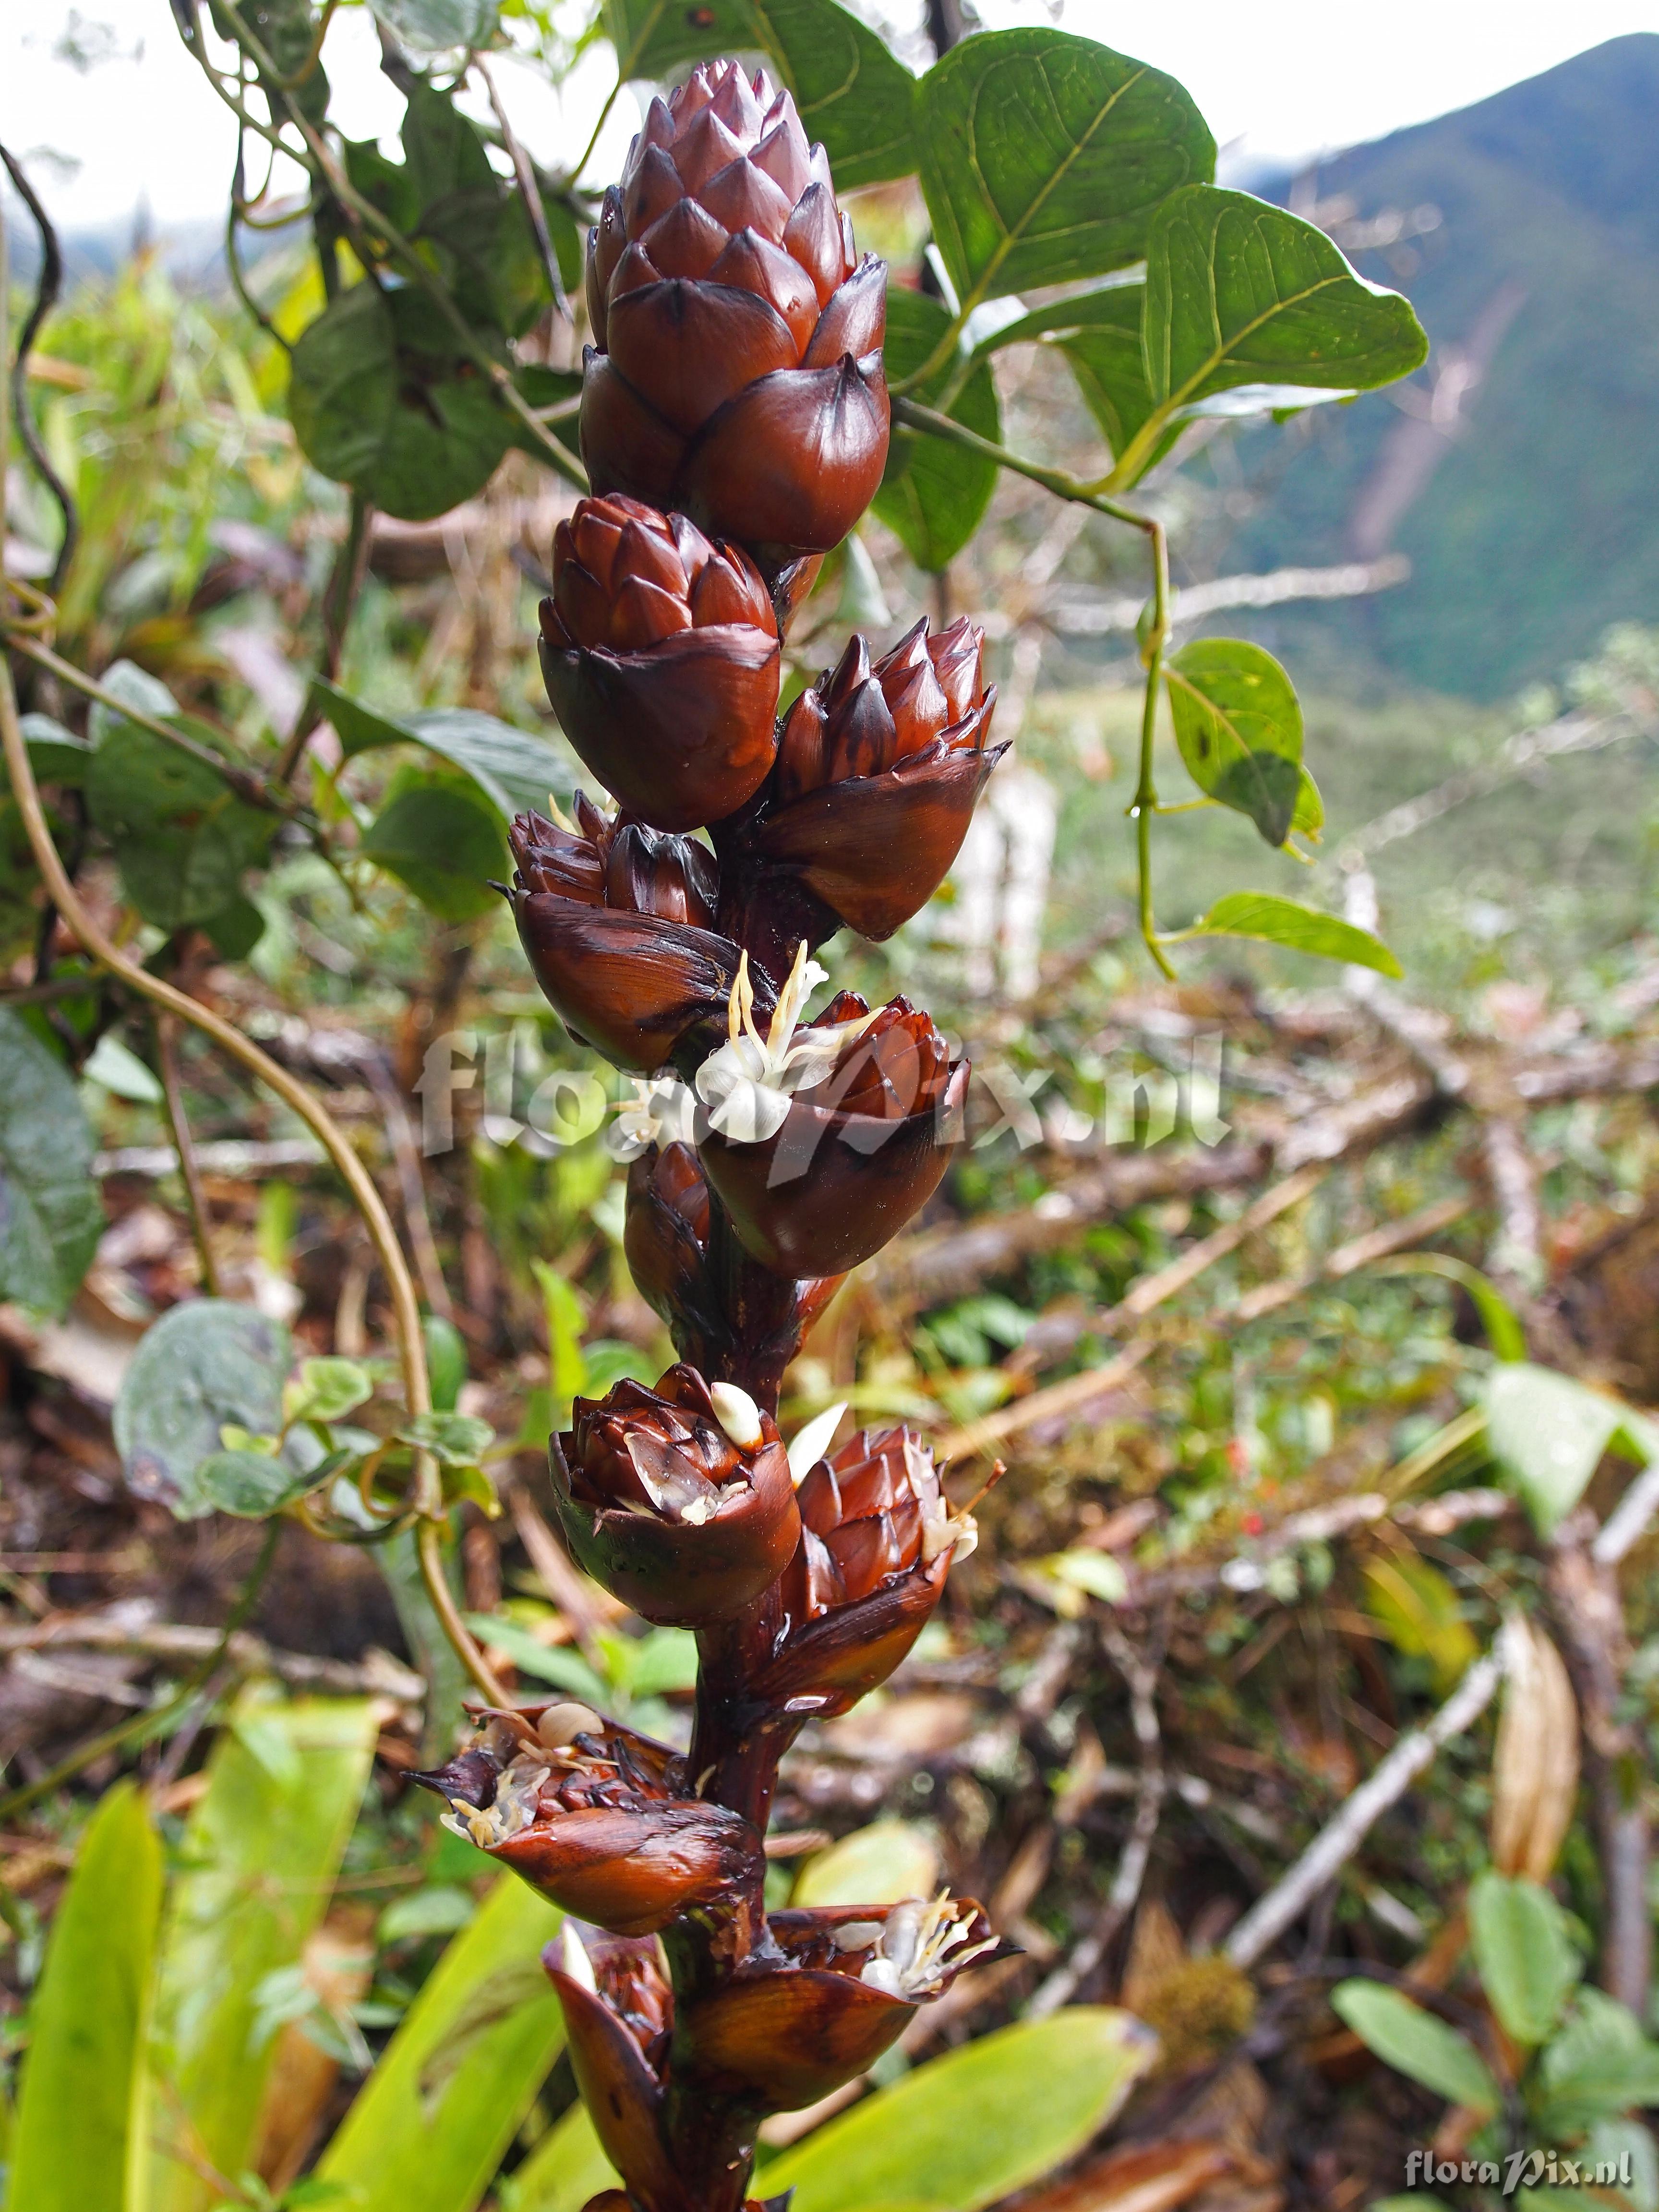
590 1813
877 776
617 919
784 2033
735 372
677 1499
660 653
821 1158
878 1538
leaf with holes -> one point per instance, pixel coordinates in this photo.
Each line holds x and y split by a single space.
934 495
202 1367
51 1214
1300 929
1043 156
1238 724
1246 299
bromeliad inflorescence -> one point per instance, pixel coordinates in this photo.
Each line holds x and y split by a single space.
735 422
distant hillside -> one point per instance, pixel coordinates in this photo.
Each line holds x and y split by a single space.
1520 469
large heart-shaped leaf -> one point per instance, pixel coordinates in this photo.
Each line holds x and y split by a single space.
934 495
51 1213
852 92
378 400
201 1367
1043 156
1242 294
1238 723
1301 928
977 2123
80 2137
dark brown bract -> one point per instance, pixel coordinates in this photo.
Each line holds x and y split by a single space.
616 920
736 369
677 1499
854 1155
660 654
879 770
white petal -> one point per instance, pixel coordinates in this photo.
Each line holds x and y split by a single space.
750 1113
808 1447
573 1959
737 1414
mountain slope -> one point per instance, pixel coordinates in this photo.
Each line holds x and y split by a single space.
1520 469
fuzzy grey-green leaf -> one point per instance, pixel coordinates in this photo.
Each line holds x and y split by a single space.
51 1213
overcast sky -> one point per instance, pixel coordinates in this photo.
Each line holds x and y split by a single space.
1276 79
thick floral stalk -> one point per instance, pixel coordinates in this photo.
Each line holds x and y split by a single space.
734 422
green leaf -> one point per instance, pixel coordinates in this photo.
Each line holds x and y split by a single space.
1611 2141
326 1390
1240 295
548 1662
933 495
182 838
444 843
1599 2067
456 1439
852 92
977 2123
446 1359
52 1213
1238 723
56 755
121 1073
1415 2043
1527 1966
254 1484
877 1865
649 1666
429 2126
1420 1612
1043 156
439 1909
435 26
202 1365
379 401
258 1863
513 769
1303 928
82 2116
1099 334
1547 1434
1497 1317
485 249
566 2167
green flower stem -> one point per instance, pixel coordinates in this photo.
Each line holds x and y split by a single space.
1144 805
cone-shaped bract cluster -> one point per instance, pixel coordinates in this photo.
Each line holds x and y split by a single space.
735 425
736 371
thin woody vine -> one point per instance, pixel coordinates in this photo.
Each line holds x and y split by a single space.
751 386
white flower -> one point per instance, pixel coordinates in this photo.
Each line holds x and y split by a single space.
659 1112
920 1944
807 1448
748 1083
